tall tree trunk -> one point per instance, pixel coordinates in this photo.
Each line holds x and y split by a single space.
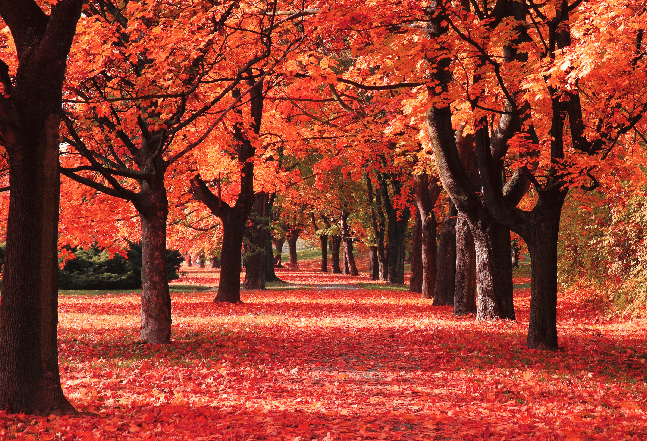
270 274
398 222
378 221
30 113
155 324
255 241
429 255
351 257
415 282
323 243
233 231
541 238
465 285
446 272
426 193
373 263
493 268
336 244
278 245
293 237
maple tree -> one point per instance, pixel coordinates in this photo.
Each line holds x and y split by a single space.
557 128
30 106
140 108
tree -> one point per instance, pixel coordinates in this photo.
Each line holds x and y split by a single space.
142 108
30 111
427 192
544 130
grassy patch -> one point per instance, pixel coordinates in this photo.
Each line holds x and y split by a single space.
385 287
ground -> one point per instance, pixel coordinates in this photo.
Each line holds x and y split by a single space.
336 358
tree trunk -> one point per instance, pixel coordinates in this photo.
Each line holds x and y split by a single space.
465 284
541 238
336 244
415 283
155 324
351 257
373 264
446 272
255 243
215 262
30 114
293 237
323 243
429 255
270 274
397 235
233 230
29 375
278 245
493 268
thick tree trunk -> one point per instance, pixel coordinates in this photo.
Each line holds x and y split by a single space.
323 243
493 268
30 113
155 326
373 263
465 284
348 249
415 282
446 272
233 230
29 375
293 237
336 244
256 239
541 238
397 236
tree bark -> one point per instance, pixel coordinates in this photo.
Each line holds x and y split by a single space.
155 322
336 244
378 222
293 237
256 238
465 285
373 264
323 243
426 193
30 112
233 230
349 259
542 239
278 245
398 222
446 272
415 282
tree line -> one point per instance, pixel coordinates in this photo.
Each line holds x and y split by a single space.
220 124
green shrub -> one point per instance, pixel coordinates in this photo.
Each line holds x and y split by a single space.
93 268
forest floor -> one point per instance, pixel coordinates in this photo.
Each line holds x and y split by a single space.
306 361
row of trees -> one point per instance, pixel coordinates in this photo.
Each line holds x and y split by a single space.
194 123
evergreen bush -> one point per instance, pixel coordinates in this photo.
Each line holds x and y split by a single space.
93 268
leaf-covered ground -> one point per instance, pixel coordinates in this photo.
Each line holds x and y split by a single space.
342 363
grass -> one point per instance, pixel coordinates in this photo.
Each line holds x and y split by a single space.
305 254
